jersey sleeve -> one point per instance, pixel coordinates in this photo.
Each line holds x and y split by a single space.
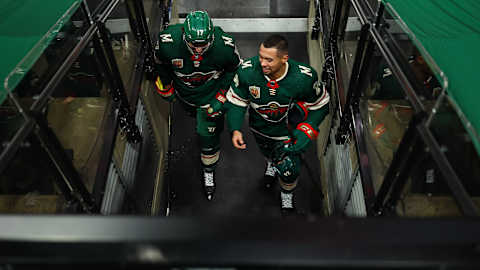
315 101
237 102
162 63
231 58
231 67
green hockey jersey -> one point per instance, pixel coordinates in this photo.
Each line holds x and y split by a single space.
268 101
196 79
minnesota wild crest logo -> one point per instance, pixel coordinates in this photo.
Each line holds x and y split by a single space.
272 111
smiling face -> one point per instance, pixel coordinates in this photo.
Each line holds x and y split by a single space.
272 62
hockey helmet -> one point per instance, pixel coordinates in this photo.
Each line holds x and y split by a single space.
286 165
198 28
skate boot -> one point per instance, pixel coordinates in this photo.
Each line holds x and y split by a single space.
287 203
269 176
209 182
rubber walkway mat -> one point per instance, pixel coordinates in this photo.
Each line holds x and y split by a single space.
239 190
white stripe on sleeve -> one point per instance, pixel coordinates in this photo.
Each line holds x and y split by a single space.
233 98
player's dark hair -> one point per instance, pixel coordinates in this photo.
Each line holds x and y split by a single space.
278 42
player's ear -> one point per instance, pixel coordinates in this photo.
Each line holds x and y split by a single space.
285 58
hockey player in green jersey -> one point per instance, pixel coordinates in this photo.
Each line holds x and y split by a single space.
196 62
272 86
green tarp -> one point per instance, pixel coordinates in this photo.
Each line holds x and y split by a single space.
26 29
450 32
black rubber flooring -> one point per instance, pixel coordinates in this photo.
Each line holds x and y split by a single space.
239 172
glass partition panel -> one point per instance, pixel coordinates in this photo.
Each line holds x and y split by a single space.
26 33
123 41
11 120
427 194
373 5
409 60
52 57
436 30
347 47
399 29
385 114
411 53
28 183
385 123
331 6
447 128
77 110
94 6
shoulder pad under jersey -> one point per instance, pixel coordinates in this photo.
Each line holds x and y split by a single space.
171 34
223 39
249 64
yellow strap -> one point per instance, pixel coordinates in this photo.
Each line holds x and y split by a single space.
159 83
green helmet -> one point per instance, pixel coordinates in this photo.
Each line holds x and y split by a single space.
198 28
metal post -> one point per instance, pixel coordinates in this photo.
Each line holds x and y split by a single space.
399 160
332 57
317 24
336 19
14 143
379 14
110 58
145 35
411 163
127 123
62 185
343 23
133 20
364 167
353 89
363 159
111 126
166 13
463 199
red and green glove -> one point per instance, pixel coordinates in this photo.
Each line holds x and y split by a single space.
215 107
165 92
303 136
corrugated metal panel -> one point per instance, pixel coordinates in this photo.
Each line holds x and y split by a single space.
132 151
330 178
338 171
147 166
117 186
344 186
114 193
356 205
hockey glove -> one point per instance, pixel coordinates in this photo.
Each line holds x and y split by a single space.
216 106
303 135
165 92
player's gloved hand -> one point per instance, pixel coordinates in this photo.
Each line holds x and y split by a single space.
215 107
303 136
166 92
